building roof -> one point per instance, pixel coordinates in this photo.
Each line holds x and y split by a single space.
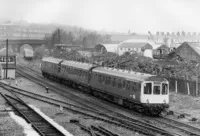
3 52
108 47
122 37
138 43
195 47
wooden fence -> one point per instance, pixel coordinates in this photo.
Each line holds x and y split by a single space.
183 86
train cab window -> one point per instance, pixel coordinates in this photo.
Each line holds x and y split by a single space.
164 88
128 85
119 83
114 82
156 90
147 88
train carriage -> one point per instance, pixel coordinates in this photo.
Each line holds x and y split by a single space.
28 54
132 88
75 71
50 67
143 92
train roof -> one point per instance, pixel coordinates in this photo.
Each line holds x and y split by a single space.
52 60
76 64
130 75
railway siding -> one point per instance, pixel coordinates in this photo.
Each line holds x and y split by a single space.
39 123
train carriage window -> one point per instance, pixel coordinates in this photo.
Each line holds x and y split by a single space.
164 88
114 82
106 80
147 88
127 85
139 86
119 83
100 79
123 84
103 79
156 90
109 80
82 74
133 86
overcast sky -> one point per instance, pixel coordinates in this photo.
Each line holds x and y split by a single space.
110 15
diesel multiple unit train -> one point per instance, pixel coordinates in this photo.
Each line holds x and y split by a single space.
142 92
28 54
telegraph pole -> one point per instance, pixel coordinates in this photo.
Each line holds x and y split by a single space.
6 58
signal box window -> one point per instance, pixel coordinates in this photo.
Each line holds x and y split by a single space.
147 88
156 90
164 88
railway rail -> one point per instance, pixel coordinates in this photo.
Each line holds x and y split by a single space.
138 127
190 131
41 125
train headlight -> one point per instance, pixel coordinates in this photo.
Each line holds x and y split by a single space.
147 101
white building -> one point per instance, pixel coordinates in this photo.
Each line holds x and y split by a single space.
141 46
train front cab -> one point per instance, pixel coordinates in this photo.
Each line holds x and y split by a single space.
153 92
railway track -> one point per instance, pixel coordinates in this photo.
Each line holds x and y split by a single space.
177 125
40 124
143 128
188 129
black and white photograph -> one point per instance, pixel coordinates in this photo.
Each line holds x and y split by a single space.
99 67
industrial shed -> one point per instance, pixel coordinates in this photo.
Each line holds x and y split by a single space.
190 51
106 48
140 46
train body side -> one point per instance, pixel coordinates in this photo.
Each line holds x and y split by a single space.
124 87
50 66
114 83
75 71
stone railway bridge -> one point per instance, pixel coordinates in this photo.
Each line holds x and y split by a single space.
16 44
